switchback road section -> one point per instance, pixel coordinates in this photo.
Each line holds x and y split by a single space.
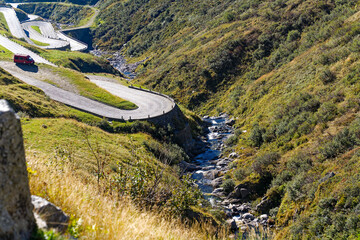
149 104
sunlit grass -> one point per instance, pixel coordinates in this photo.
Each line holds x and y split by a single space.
62 170
91 90
4 28
36 28
102 217
40 43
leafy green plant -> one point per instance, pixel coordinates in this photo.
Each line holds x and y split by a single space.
343 141
240 174
327 76
228 185
326 112
256 135
264 162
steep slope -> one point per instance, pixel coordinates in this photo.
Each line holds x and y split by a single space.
58 12
287 71
80 2
107 182
199 48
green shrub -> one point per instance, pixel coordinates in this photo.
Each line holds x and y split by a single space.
256 137
273 212
263 163
293 35
295 187
300 162
326 112
342 141
327 203
233 139
240 174
282 178
327 76
167 153
228 185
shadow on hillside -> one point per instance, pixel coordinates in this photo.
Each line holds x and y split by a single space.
28 68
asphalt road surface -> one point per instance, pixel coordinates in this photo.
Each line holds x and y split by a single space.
149 104
47 35
13 22
74 44
17 48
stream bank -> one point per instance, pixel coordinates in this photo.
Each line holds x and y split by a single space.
209 167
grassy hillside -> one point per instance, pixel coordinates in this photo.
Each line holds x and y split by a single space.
287 71
78 61
205 46
79 2
22 16
114 185
4 28
60 13
95 216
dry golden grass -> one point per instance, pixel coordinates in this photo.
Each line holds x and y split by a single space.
103 217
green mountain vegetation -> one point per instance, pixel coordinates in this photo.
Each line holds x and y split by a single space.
58 12
287 70
110 177
117 180
79 2
22 16
4 28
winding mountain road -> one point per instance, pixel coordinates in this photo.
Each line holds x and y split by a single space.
13 22
47 35
149 104
17 48
74 44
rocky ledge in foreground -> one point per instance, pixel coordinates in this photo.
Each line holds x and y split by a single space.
16 217
17 210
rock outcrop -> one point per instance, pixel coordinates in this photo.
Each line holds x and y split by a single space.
16 217
48 215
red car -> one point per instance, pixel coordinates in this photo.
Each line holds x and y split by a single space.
23 59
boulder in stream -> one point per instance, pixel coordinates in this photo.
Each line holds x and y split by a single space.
188 167
212 174
248 216
232 224
240 192
217 182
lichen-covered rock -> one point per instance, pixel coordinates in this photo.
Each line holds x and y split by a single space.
248 216
48 213
240 192
16 217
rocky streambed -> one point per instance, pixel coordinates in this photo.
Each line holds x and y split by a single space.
209 168
118 61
